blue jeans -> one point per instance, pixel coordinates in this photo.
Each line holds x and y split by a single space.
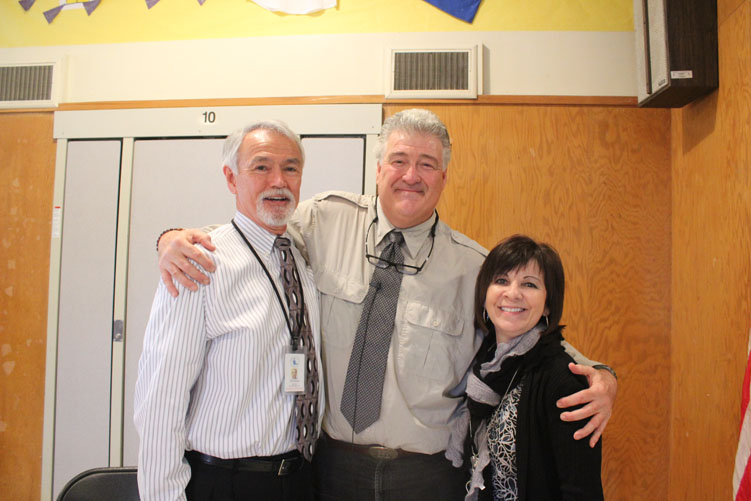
345 475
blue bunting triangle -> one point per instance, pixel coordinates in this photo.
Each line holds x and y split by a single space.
51 14
460 9
26 4
91 5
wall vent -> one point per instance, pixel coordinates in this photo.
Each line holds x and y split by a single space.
433 73
28 85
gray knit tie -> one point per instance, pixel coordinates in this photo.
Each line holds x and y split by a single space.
363 387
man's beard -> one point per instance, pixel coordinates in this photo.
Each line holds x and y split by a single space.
276 217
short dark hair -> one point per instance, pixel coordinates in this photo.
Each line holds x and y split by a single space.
511 254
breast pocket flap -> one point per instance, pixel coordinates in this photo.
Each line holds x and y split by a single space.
341 287
433 318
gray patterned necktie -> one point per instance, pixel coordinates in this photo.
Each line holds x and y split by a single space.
306 404
363 386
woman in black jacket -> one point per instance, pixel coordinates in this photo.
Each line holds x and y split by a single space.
518 446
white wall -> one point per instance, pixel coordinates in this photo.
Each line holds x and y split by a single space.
515 63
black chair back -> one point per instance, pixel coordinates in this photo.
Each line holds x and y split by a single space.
97 484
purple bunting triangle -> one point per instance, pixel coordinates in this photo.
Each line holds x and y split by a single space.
51 14
200 2
26 4
91 5
461 9
151 3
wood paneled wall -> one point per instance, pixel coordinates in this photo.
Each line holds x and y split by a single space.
27 171
711 277
595 183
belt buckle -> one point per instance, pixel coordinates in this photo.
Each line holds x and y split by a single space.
380 452
282 468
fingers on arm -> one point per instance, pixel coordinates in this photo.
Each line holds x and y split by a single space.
597 403
580 397
582 370
184 269
172 274
199 237
167 279
597 433
593 429
177 255
181 250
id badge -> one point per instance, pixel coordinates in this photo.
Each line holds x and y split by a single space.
294 372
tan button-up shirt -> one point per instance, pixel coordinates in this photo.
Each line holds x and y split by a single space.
434 338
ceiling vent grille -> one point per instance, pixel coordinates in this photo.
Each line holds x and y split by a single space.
433 73
28 85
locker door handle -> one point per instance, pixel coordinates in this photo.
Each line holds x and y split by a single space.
117 331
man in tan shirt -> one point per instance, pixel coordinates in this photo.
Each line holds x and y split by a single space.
400 455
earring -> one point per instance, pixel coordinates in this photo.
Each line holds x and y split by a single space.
547 324
485 316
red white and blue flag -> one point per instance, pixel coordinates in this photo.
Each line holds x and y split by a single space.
742 473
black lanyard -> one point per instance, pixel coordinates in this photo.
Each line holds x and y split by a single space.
295 335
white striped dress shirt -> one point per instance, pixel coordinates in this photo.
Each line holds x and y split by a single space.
211 374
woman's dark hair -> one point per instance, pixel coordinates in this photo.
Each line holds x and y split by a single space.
511 254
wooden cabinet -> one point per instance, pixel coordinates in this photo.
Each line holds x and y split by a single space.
676 51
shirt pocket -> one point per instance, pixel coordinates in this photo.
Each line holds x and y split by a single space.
433 344
341 306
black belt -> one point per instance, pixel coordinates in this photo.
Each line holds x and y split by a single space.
374 451
281 465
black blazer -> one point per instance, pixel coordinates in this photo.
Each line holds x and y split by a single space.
551 465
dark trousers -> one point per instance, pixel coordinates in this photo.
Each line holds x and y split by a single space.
339 474
215 483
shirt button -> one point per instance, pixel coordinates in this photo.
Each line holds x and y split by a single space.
436 323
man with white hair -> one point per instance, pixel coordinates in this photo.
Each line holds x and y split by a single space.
227 397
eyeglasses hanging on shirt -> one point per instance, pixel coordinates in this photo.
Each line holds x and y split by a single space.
405 269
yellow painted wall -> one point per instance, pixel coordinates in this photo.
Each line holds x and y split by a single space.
118 21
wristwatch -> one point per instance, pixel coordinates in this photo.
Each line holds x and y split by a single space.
606 368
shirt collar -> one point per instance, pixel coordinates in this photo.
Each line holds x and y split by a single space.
261 238
414 236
